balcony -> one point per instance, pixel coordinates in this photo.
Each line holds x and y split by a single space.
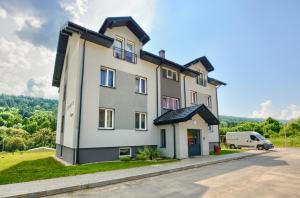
125 55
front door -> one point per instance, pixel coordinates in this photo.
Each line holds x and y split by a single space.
194 144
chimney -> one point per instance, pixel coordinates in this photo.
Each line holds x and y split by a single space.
162 53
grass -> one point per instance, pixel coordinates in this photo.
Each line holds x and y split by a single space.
29 166
227 151
290 141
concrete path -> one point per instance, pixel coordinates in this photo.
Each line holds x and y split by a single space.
73 183
271 175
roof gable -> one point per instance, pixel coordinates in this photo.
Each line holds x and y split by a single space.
185 114
205 62
111 22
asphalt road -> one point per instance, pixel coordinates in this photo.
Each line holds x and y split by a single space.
275 174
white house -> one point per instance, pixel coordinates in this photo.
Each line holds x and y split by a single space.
116 98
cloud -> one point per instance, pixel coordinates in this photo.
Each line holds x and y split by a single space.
20 62
3 13
29 35
76 8
292 111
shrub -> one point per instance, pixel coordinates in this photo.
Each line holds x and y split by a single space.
141 156
15 143
149 152
125 159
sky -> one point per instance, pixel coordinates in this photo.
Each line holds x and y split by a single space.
254 45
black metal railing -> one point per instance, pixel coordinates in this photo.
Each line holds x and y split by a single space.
125 55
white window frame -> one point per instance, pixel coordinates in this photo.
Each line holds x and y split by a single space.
173 100
209 102
202 81
107 75
211 128
140 84
122 40
140 121
193 97
172 73
130 153
105 118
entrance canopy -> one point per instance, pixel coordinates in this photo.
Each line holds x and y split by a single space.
185 114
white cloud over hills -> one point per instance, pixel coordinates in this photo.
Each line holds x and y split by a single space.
267 109
29 33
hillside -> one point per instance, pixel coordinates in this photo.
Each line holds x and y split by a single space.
235 119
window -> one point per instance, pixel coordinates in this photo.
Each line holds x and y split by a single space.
140 121
170 74
141 85
118 47
210 128
254 138
170 103
129 54
125 151
106 118
209 101
200 79
193 97
163 138
107 77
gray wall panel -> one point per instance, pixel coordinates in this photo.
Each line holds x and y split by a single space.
124 100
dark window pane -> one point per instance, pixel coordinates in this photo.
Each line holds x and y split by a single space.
137 84
163 138
174 76
143 121
110 78
143 86
124 151
101 118
103 77
137 120
109 119
164 73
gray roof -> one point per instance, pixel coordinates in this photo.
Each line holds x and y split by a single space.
215 82
205 62
185 114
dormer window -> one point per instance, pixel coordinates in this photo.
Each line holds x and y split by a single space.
170 74
200 79
124 52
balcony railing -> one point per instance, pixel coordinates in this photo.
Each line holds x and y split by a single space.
125 55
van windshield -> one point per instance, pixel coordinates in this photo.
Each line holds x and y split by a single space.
260 137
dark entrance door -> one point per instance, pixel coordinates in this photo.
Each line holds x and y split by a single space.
194 144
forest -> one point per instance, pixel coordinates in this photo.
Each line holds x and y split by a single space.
26 122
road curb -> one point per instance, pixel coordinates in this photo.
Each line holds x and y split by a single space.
125 179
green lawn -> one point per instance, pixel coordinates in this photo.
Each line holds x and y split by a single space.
290 141
228 151
28 166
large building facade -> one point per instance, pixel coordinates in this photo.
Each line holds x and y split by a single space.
115 98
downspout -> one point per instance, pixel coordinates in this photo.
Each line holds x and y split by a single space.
184 91
157 99
80 104
174 135
218 115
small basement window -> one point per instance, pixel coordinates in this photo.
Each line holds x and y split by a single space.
125 151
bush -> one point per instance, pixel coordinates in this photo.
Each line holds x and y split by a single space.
149 153
15 143
141 156
125 159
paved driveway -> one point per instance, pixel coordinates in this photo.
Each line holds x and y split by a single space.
275 174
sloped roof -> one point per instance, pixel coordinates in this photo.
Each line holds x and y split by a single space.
63 39
185 114
155 59
125 21
215 81
205 62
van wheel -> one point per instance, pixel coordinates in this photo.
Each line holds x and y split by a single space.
260 147
232 146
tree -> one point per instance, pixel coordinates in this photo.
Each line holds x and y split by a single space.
44 137
15 143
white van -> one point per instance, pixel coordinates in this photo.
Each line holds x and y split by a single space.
247 139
